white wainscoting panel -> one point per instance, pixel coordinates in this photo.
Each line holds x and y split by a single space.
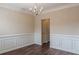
11 42
68 43
76 46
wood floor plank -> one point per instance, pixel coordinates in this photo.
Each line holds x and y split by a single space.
37 50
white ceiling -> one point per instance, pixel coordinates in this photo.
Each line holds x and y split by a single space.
24 7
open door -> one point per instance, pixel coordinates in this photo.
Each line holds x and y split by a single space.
46 32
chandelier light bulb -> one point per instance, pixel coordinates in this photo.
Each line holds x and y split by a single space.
30 9
41 9
35 7
34 10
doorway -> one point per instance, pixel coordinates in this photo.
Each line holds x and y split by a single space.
45 32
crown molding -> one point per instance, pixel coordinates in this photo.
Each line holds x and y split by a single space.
44 12
16 9
60 8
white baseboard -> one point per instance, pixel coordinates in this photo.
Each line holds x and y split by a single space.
11 49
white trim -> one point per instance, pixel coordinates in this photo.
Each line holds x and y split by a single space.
11 49
39 43
15 41
15 9
64 42
60 8
13 35
64 35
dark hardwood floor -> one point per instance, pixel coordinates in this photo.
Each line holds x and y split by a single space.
37 50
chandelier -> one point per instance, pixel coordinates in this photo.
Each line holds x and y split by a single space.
36 10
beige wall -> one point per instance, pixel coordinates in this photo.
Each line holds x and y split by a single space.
64 21
16 30
13 22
